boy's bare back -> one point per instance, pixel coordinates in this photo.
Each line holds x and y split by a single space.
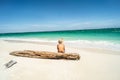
61 47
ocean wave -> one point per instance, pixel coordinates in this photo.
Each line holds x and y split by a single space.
73 43
96 44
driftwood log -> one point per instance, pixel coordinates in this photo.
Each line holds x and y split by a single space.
46 55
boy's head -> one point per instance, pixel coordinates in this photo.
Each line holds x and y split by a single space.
60 41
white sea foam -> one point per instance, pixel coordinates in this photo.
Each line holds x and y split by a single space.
95 44
73 43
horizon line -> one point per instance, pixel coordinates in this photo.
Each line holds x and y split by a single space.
60 30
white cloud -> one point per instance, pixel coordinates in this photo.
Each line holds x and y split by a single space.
68 25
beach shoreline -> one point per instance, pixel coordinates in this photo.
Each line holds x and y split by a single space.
69 44
95 64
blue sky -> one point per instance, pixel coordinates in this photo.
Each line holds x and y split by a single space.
50 15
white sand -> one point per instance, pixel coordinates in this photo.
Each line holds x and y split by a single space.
95 64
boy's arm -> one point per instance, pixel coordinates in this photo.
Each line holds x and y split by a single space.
64 48
57 47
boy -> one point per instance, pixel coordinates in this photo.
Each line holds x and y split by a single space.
61 46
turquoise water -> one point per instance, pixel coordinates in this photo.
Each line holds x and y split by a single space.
112 34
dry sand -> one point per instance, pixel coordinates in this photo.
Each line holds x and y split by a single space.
95 64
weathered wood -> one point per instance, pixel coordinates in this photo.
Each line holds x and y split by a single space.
46 55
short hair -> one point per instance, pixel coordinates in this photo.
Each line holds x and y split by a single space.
60 41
